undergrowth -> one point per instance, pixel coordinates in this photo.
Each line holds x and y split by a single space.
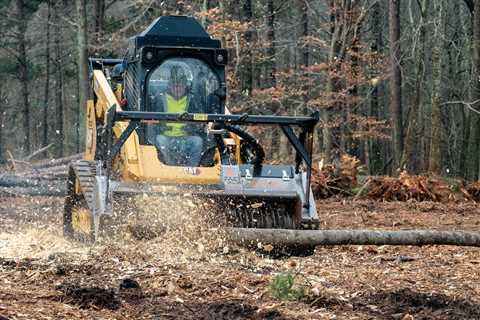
285 286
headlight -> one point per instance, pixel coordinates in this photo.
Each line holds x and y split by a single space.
221 57
149 55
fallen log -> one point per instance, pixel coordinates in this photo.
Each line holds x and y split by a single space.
34 191
57 168
52 171
26 182
290 238
57 162
54 176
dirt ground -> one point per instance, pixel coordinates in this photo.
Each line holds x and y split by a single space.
43 276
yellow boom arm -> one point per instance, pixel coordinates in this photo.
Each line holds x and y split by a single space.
105 100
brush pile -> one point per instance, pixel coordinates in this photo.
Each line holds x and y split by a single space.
472 191
335 179
407 187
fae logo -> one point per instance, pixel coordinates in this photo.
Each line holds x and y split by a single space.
194 171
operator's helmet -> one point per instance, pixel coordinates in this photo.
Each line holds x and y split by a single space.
117 72
178 76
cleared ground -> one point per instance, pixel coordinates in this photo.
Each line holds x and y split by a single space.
191 274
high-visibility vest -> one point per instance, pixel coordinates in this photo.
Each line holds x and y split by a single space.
175 129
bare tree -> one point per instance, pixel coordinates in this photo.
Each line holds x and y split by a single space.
396 81
305 31
2 119
82 63
248 69
474 132
272 70
47 76
22 68
410 160
373 157
59 83
99 19
435 157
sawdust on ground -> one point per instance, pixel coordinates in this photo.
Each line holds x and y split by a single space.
191 273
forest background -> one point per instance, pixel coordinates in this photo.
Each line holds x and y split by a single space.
397 83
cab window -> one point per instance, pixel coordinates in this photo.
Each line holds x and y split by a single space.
183 77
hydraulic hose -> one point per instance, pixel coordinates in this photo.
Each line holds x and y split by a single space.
251 143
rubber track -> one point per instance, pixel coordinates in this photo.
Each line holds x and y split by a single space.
85 172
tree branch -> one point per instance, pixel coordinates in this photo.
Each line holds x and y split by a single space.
470 5
469 105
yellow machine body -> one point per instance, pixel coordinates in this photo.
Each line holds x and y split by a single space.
171 55
136 162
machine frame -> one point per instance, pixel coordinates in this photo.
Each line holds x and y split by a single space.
118 162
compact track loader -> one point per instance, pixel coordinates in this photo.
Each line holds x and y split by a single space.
157 125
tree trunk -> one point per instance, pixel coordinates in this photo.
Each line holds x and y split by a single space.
99 10
327 134
248 66
2 108
283 237
326 129
205 8
375 153
461 154
396 81
59 90
435 159
474 134
410 160
23 72
349 145
82 64
47 77
272 69
305 33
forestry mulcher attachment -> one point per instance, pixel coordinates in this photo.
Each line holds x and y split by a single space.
157 124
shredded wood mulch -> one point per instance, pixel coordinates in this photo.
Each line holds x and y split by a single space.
44 277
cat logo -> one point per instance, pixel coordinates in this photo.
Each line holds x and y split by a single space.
193 171
200 116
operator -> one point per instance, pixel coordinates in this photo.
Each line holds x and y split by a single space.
117 83
178 144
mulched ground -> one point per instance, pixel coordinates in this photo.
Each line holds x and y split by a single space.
43 276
